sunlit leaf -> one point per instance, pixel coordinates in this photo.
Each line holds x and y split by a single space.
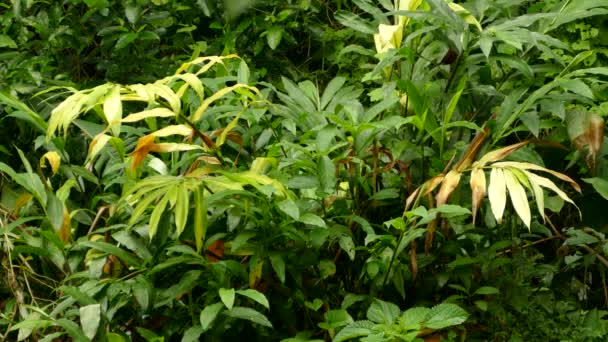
227 296
54 160
112 108
518 197
447 187
160 112
497 193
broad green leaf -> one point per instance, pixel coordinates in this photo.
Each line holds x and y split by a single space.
255 295
227 297
290 208
327 174
415 316
209 314
249 314
193 334
278 265
383 312
579 237
90 316
576 86
125 40
274 34
353 330
497 193
313 220
600 185
347 245
111 249
445 315
518 197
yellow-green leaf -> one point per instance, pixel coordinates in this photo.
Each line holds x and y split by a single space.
151 113
539 195
97 144
112 109
182 206
518 197
546 183
182 130
54 160
217 95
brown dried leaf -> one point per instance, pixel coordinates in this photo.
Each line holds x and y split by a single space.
478 189
447 187
472 150
499 154
433 183
144 144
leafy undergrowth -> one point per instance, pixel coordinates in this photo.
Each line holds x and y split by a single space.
447 183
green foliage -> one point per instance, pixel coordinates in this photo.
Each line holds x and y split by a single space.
320 175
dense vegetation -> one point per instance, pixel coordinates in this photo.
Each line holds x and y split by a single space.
303 170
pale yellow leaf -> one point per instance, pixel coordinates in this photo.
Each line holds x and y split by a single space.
54 160
478 189
518 197
530 166
194 83
497 193
151 113
450 182
97 144
547 183
162 90
410 199
112 109
182 130
173 147
211 59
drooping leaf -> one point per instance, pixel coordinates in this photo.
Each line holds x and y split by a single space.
497 193
90 317
255 295
478 189
209 314
249 314
518 197
450 182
